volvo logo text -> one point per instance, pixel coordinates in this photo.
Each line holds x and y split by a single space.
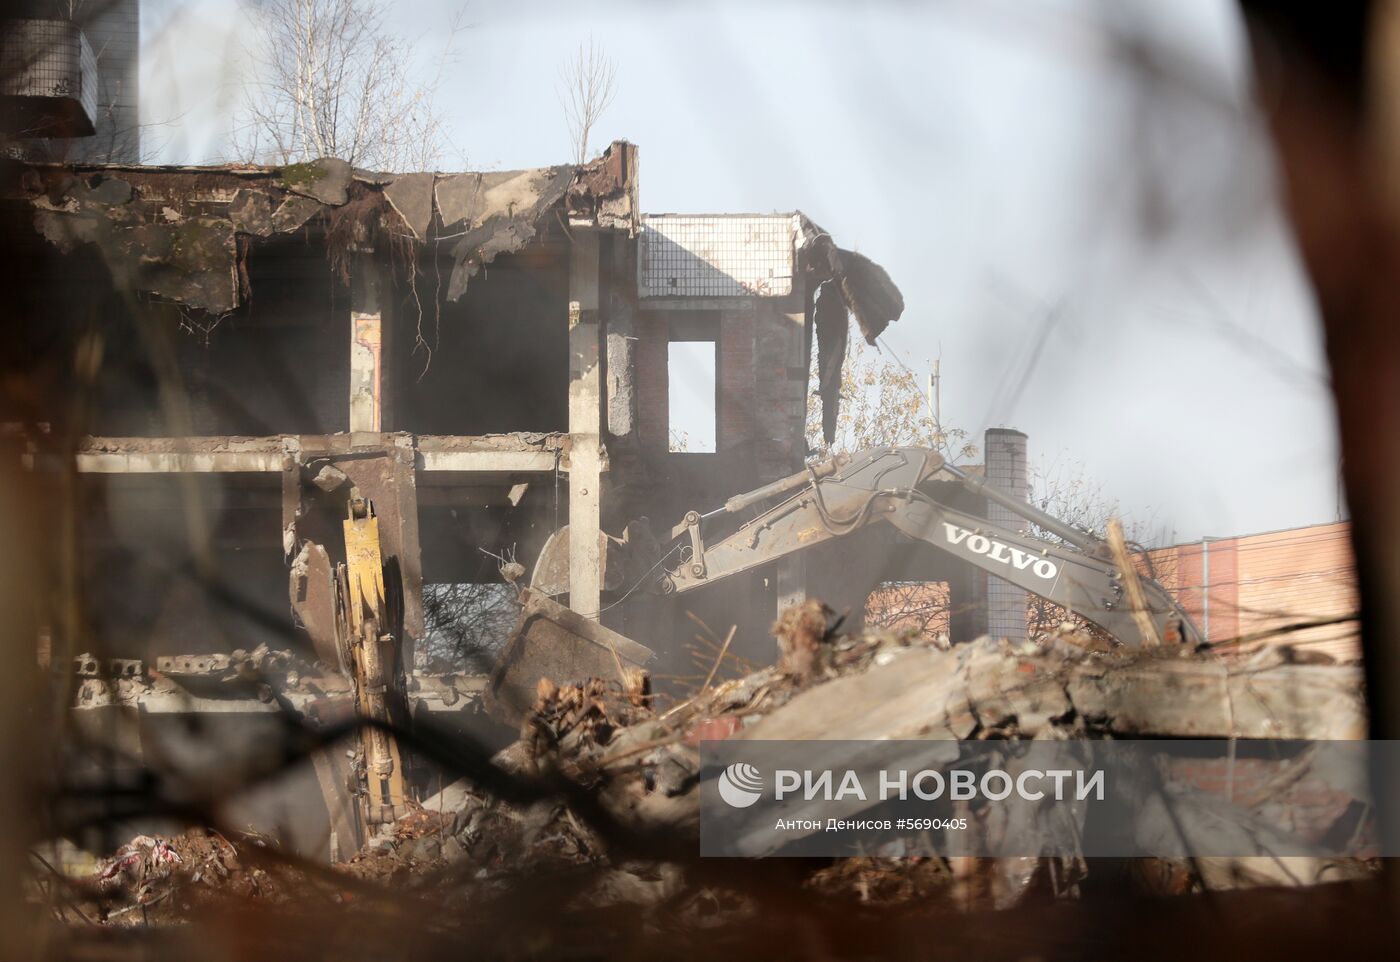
998 551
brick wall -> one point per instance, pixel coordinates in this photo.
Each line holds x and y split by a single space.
1240 586
735 372
650 380
762 381
780 391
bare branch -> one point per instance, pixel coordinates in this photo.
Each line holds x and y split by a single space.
586 90
333 81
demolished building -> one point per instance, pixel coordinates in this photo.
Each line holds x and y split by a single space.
219 356
260 392
254 393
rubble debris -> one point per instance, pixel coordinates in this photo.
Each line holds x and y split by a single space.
88 665
801 631
239 664
885 880
565 720
155 879
641 763
637 764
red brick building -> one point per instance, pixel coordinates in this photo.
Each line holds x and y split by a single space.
1241 587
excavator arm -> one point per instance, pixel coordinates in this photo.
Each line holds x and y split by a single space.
882 486
889 487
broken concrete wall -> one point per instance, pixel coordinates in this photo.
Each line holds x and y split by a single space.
222 255
172 232
729 281
760 371
473 278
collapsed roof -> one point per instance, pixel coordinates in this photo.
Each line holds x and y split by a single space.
180 233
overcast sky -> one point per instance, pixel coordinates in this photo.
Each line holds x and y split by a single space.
1084 227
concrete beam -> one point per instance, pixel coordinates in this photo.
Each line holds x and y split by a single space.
493 454
487 462
487 454
160 455
153 462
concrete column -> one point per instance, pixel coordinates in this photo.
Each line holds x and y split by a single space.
623 336
585 428
792 452
366 346
291 504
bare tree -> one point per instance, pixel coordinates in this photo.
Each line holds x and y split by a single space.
67 9
920 608
1067 492
332 81
466 624
882 404
586 89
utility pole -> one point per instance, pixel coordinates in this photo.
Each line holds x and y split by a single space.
934 401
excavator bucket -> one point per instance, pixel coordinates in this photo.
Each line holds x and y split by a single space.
555 642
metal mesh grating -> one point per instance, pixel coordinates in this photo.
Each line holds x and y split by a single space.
748 255
48 59
1006 468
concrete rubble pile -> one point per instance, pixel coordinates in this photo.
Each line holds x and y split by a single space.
626 768
154 879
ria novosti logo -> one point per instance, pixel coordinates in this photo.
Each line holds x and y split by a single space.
740 785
